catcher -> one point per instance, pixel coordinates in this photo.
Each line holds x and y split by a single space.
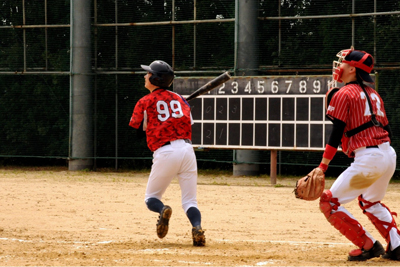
360 124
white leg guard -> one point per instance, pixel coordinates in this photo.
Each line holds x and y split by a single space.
383 220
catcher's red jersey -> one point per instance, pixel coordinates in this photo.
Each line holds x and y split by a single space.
350 105
166 117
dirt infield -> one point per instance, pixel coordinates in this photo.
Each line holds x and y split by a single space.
51 217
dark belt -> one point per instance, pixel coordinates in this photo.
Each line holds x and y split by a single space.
186 140
372 147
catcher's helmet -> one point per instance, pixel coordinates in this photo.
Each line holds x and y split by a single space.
163 75
363 62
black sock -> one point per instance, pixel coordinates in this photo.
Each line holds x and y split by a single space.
154 204
194 216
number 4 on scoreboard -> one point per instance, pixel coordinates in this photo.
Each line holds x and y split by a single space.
247 89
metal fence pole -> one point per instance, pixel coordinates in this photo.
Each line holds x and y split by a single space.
247 64
81 109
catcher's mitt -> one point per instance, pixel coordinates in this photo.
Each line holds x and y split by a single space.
312 186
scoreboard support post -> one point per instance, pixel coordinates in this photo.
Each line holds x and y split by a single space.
273 161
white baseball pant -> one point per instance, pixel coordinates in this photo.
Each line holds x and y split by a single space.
175 160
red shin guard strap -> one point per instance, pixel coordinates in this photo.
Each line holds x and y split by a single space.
379 225
365 204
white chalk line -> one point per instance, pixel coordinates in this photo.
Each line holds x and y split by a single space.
217 240
14 239
191 262
283 242
175 251
57 241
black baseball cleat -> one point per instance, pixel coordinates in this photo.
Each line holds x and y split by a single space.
392 254
199 239
362 255
163 220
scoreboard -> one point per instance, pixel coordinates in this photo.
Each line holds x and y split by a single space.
259 112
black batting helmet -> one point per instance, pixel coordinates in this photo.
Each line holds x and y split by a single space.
163 75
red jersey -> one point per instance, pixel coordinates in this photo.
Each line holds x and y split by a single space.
350 105
166 117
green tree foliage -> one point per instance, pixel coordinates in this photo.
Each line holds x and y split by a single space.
34 116
34 108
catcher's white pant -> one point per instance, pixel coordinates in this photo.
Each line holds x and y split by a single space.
175 160
369 175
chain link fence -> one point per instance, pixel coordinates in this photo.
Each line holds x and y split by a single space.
198 38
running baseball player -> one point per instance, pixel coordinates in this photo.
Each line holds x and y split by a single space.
360 124
165 117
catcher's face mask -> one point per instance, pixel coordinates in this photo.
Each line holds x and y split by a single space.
337 71
361 60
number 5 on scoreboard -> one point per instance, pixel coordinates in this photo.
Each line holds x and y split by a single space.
260 86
